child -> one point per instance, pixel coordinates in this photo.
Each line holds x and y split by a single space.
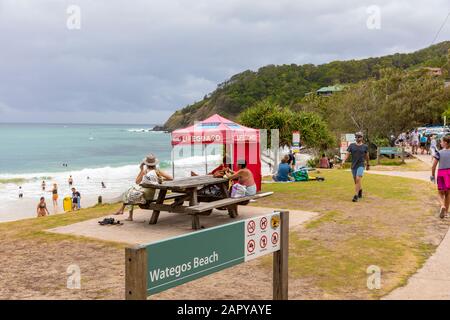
20 193
324 162
442 158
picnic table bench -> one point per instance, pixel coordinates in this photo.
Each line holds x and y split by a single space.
187 189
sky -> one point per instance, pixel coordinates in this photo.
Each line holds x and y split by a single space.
111 61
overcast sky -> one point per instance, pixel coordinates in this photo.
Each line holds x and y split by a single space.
138 61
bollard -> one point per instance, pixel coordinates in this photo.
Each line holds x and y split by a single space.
99 199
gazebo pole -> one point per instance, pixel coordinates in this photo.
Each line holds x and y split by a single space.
206 158
173 164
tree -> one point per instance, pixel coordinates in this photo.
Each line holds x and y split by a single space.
398 101
269 115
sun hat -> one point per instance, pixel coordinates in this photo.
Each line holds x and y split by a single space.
150 160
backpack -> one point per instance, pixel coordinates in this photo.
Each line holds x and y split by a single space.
300 175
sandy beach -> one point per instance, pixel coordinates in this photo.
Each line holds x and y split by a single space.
117 181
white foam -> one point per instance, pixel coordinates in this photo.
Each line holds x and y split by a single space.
116 179
140 130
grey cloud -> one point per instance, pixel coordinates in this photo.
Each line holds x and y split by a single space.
153 57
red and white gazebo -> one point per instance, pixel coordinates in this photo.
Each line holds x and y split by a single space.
239 142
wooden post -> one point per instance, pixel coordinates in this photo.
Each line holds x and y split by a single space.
135 273
378 155
160 200
280 261
403 154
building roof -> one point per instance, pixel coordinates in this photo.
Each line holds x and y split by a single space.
334 88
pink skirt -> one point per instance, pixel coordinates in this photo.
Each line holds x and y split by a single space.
443 179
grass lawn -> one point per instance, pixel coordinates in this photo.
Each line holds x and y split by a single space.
394 227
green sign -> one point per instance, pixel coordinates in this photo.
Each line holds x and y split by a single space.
390 150
188 257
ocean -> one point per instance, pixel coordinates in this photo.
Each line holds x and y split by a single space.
32 153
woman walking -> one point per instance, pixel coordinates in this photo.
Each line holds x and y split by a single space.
442 161
42 208
55 196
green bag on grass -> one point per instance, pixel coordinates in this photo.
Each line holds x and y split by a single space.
300 175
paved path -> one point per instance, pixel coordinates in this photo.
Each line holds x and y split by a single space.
420 175
432 281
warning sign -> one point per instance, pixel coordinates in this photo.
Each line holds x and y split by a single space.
263 223
275 222
263 242
275 237
251 246
251 226
260 239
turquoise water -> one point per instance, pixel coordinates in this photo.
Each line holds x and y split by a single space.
29 148
31 153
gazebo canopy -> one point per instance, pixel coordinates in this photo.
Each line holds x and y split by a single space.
215 129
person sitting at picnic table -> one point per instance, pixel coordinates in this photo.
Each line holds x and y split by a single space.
148 174
324 162
223 169
284 171
245 185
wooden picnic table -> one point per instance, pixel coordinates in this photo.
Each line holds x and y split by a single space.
187 190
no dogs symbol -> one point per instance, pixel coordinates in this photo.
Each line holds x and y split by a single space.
263 242
251 246
251 226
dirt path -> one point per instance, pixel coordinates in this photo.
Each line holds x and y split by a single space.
432 281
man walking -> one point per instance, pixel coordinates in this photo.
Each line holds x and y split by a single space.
360 154
76 197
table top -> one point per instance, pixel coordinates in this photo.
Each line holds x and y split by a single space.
186 183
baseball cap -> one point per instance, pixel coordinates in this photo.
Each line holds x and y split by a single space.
359 134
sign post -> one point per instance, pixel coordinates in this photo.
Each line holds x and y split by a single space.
136 273
396 151
296 141
280 261
346 140
165 264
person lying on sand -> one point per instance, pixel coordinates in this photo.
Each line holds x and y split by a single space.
148 174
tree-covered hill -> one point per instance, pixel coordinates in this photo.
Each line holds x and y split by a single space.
287 85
